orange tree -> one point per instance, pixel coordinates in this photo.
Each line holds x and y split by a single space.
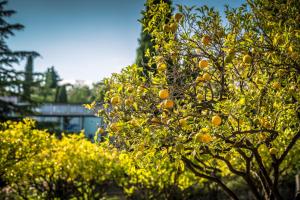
224 102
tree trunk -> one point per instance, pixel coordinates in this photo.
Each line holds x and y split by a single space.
297 196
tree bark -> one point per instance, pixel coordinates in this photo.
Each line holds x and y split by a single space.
297 196
190 165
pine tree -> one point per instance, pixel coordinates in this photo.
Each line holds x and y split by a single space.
145 41
10 80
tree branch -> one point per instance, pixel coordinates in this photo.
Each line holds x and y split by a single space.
289 147
228 191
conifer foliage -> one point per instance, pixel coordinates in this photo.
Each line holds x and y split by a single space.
10 79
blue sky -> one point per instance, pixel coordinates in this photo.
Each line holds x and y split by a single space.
84 39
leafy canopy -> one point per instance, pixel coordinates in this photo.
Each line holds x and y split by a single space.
232 108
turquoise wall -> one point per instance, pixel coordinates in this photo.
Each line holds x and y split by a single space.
90 125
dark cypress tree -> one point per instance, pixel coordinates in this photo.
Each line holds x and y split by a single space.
51 83
10 80
61 95
28 80
145 41
52 78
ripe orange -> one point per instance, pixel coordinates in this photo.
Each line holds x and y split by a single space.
100 130
130 89
290 49
199 79
276 85
247 59
115 100
164 94
206 77
161 67
205 138
203 64
216 120
168 104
